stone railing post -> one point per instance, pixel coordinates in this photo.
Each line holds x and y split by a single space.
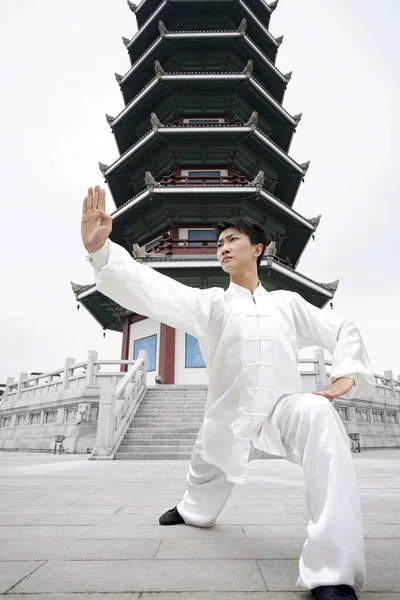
389 376
90 368
106 421
143 354
322 378
69 362
9 382
22 377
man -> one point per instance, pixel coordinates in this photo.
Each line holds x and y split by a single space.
250 340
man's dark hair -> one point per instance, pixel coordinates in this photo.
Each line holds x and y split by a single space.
250 227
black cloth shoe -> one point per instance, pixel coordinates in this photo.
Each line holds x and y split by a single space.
334 592
171 517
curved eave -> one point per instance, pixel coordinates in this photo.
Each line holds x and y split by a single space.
167 11
151 207
142 67
290 173
147 7
272 275
248 89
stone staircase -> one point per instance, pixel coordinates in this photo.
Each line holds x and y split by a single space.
166 424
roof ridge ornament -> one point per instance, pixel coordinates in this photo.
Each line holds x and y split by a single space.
139 253
110 119
253 120
248 70
155 121
315 220
273 5
158 69
162 28
271 249
150 182
76 287
279 40
243 26
118 77
132 6
103 168
258 181
305 166
297 118
126 41
333 285
288 76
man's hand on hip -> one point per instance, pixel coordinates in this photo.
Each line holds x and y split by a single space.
340 387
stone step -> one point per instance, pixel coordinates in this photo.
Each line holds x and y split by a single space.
190 399
166 406
173 441
174 394
160 429
148 412
146 434
166 420
154 456
154 449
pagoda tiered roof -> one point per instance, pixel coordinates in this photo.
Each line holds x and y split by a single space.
205 272
144 10
165 203
174 94
238 47
243 146
220 15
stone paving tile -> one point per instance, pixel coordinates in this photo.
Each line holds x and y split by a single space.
145 532
78 549
7 519
144 575
29 532
230 549
57 510
275 531
151 509
89 596
263 519
383 575
13 572
227 596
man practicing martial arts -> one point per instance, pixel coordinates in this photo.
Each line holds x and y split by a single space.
250 339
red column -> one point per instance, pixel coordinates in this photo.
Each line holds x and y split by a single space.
125 342
167 353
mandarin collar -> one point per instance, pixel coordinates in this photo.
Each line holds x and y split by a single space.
239 290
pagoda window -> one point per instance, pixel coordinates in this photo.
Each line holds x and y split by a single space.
204 121
204 175
201 234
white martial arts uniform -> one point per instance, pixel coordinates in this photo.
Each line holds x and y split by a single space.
250 344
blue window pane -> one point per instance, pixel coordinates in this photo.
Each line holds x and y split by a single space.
204 174
205 121
149 344
202 234
193 356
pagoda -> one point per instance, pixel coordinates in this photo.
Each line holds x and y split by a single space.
202 136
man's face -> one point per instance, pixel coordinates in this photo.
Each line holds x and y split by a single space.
237 248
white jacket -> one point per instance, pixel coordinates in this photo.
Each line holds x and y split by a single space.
250 344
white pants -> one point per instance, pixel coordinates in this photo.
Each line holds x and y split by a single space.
314 437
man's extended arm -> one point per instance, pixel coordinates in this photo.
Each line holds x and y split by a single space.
135 286
341 337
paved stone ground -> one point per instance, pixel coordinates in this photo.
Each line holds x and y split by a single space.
74 529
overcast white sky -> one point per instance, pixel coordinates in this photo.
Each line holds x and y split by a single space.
57 81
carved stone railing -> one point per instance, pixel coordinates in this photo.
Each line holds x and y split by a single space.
117 407
70 401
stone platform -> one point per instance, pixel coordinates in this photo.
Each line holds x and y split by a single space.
75 529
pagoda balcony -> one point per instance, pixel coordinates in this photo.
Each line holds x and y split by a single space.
201 95
178 15
169 246
172 179
164 146
202 51
146 8
149 214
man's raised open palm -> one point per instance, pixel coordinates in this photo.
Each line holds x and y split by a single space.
96 224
